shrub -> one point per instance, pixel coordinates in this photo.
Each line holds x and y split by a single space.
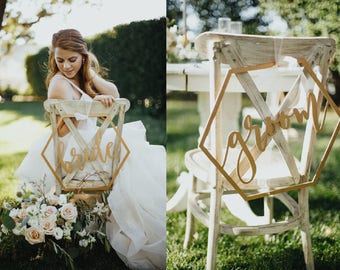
36 71
133 54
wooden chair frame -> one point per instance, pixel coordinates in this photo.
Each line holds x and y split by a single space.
64 110
244 53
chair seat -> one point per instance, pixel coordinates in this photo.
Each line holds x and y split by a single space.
272 171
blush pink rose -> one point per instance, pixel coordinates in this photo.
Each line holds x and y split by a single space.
48 225
34 235
69 212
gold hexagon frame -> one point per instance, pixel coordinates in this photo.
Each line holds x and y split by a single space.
227 177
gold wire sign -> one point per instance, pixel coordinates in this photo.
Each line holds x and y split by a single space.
247 156
90 152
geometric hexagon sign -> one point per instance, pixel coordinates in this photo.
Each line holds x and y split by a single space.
85 161
277 148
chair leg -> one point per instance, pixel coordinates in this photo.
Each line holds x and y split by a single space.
190 219
305 229
268 207
214 227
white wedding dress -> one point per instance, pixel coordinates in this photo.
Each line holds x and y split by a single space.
136 229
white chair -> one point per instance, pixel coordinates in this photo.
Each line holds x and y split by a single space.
227 164
66 172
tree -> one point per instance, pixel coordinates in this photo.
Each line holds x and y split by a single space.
209 11
304 18
15 25
174 11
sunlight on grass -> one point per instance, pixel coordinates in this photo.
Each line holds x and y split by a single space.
182 133
8 164
17 136
20 125
15 139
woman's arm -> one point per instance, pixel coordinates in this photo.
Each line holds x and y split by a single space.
60 89
103 86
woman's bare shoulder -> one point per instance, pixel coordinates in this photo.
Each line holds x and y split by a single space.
59 88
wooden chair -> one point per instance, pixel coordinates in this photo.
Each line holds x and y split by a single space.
65 172
268 168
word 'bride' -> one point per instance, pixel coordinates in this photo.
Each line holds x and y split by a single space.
79 160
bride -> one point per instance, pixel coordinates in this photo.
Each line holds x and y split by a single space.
136 227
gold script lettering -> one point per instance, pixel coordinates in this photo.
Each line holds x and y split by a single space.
282 120
66 165
80 159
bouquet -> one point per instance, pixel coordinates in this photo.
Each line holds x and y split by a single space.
66 224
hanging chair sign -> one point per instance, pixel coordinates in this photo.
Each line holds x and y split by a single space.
240 159
85 161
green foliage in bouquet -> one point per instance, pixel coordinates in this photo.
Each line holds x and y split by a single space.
64 224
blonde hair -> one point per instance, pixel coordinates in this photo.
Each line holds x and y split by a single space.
72 40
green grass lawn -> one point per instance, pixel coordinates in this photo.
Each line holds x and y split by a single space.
285 251
21 123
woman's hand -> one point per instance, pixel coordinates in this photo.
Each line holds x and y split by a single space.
106 100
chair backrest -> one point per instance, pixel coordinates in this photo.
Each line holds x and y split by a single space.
242 165
91 150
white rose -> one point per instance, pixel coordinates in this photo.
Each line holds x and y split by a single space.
34 235
62 199
48 211
58 233
48 225
69 212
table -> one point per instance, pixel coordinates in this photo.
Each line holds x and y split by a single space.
194 77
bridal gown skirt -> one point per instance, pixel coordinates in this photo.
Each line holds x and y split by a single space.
136 227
